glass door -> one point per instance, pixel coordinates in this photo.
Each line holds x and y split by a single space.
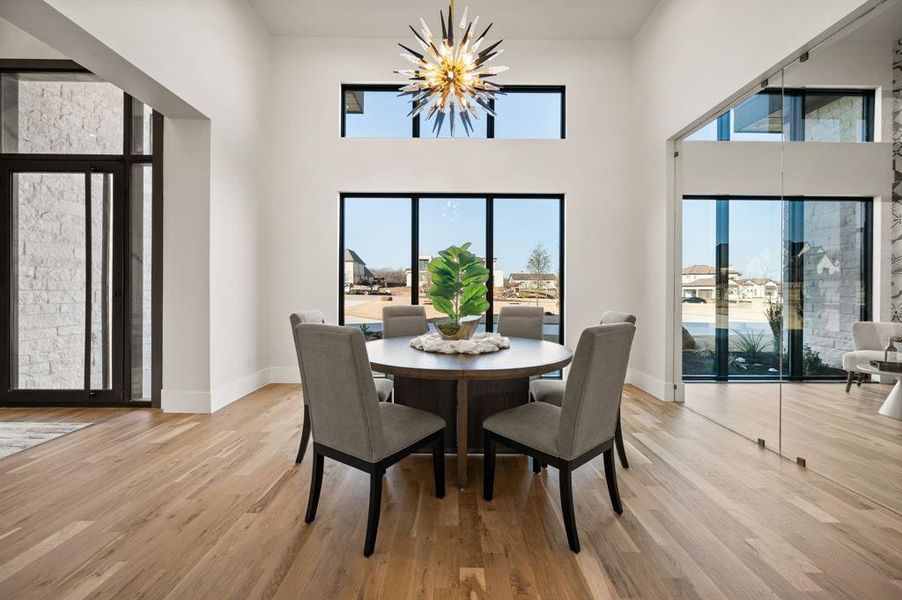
62 278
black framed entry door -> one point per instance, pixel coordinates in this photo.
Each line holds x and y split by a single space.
63 321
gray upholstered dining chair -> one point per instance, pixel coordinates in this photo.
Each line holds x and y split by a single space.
522 321
384 386
552 390
351 426
403 321
583 427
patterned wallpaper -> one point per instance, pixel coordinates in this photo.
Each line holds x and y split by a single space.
896 280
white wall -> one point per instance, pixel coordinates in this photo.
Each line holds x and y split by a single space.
312 164
689 57
213 56
15 43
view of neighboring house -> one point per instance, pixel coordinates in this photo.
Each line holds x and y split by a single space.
532 281
356 271
424 273
699 281
758 288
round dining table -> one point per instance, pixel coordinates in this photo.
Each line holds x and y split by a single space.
500 372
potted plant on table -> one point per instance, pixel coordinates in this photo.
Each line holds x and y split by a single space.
458 290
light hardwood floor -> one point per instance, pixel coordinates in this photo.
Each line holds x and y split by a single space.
839 435
151 505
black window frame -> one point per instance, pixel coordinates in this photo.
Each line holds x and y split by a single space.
115 163
796 112
415 239
415 126
791 275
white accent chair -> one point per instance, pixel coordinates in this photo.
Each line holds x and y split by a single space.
869 339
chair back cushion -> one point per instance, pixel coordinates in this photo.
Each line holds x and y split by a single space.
522 321
872 335
613 316
591 403
403 321
339 388
305 316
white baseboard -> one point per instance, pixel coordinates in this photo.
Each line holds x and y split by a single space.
284 375
648 384
173 401
238 388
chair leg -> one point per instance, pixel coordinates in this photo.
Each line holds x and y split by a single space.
848 381
536 465
567 508
438 465
305 435
860 379
618 441
372 520
611 477
488 467
316 484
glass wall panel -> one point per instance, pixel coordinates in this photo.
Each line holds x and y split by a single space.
369 113
445 222
49 289
526 245
753 294
802 115
729 299
60 113
377 269
844 257
758 119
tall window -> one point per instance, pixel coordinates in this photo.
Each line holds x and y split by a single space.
523 112
80 167
387 241
771 287
375 261
801 115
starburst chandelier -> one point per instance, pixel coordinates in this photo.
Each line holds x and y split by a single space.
450 79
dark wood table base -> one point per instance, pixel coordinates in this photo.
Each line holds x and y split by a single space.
464 404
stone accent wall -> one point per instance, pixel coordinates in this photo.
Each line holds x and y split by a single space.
832 296
66 117
896 277
51 280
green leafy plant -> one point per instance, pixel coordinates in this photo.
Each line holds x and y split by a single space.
458 285
750 345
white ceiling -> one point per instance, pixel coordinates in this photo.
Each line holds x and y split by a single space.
529 19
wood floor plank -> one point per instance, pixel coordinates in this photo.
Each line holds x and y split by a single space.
150 505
